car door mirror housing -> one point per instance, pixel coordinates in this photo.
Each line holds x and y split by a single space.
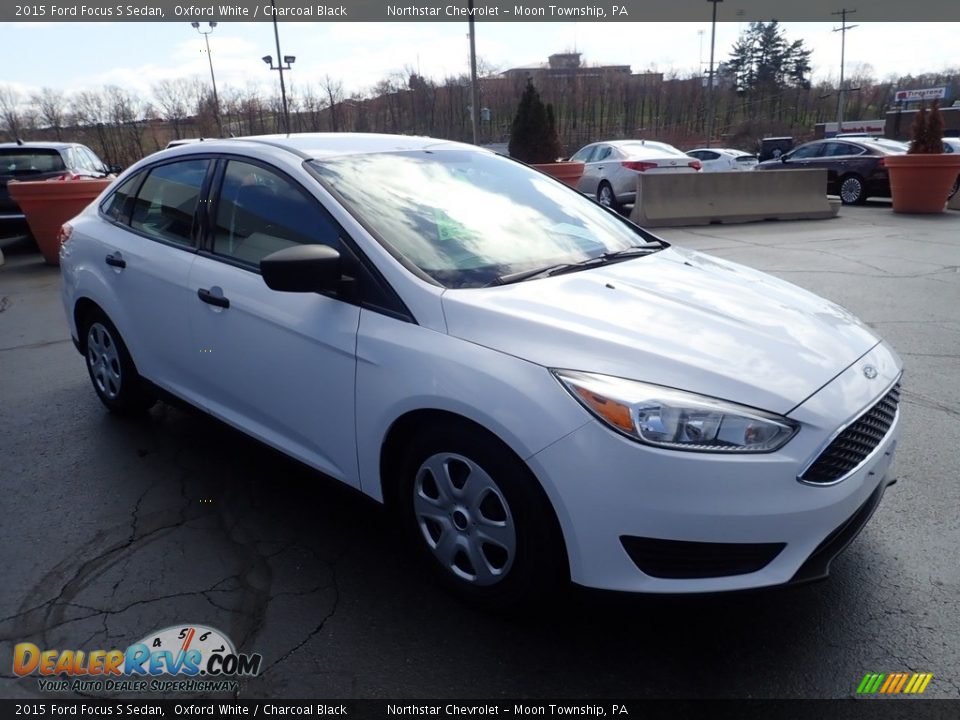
304 268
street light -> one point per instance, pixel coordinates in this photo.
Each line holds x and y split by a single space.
287 59
710 90
213 80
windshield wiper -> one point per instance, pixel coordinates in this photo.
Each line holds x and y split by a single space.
597 261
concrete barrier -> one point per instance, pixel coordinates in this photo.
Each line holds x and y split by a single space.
671 200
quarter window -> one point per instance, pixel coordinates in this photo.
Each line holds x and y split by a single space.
260 212
166 203
117 207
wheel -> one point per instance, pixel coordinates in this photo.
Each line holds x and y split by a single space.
606 197
953 190
112 372
478 519
851 190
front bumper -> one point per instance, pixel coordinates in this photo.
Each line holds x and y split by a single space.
774 529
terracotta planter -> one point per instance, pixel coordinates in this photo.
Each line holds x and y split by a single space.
921 183
566 172
48 204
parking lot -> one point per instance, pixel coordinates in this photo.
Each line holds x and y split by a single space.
114 528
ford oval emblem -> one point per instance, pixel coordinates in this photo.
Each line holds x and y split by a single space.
869 372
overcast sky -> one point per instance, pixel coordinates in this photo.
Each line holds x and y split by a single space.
135 55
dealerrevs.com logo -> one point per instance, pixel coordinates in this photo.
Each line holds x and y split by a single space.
180 658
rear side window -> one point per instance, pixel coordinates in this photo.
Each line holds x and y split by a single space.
261 211
167 201
119 203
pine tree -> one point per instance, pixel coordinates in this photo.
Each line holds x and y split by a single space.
763 60
533 135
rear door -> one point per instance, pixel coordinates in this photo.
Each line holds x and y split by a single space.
840 159
146 249
279 365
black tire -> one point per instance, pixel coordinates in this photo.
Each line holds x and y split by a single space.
955 188
537 567
606 196
852 190
114 376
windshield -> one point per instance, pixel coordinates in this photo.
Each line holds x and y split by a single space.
467 218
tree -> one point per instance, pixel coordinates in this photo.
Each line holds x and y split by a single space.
764 60
10 113
533 136
927 131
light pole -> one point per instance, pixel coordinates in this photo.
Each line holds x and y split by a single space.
213 79
843 51
288 59
474 109
710 89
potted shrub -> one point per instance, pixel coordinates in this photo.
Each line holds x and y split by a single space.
48 204
921 180
534 139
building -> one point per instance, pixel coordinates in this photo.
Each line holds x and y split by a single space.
568 65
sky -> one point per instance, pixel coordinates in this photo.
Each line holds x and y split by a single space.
77 56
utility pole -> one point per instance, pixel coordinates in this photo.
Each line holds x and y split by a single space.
474 101
213 79
711 95
843 12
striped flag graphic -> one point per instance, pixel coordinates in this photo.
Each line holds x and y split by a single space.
894 683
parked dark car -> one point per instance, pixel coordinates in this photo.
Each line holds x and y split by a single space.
855 166
42 161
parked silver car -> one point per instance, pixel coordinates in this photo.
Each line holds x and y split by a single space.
611 169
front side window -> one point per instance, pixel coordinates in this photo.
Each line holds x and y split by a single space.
260 211
167 201
805 152
467 218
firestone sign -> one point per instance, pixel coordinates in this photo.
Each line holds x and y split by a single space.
920 95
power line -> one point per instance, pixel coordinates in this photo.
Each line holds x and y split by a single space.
843 12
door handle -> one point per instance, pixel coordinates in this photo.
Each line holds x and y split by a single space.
211 299
115 260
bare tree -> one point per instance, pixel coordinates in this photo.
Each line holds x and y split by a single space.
51 108
10 112
172 98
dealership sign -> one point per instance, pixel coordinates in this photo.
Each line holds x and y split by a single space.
920 95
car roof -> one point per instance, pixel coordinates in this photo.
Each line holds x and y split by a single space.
320 145
40 145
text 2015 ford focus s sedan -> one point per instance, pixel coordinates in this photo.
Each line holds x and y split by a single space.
539 389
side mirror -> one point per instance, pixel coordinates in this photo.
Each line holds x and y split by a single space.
303 268
115 169
783 158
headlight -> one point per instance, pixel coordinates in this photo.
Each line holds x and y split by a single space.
668 418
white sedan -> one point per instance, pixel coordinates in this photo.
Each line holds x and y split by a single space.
538 389
723 159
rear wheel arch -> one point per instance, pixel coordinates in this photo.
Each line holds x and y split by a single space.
83 310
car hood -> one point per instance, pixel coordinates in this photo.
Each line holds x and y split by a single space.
677 318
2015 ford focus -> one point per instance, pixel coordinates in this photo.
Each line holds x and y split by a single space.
539 389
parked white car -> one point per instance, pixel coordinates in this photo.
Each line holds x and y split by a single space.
723 159
539 389
611 168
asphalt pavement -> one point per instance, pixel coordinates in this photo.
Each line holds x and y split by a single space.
112 528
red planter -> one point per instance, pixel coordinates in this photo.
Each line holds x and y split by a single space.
48 204
566 172
921 183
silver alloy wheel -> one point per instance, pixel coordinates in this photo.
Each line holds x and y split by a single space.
605 196
851 190
104 361
464 518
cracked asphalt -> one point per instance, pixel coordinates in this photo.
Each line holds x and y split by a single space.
113 528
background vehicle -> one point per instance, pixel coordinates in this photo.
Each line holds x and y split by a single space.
773 147
611 169
855 167
952 145
723 159
41 161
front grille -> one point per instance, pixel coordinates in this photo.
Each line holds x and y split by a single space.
681 559
856 442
